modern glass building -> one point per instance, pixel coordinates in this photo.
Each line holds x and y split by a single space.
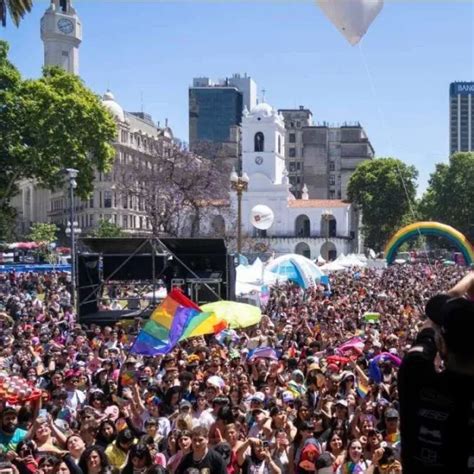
213 112
461 116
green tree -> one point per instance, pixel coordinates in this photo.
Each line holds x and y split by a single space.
450 194
49 124
43 233
385 190
16 8
107 229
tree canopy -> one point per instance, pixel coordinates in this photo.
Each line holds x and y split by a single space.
49 124
43 233
385 190
450 194
16 8
107 229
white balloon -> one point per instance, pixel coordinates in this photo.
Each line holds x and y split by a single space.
351 17
261 217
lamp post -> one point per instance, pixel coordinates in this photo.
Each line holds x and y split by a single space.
239 184
72 229
327 215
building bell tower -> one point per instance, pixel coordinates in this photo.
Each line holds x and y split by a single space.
61 33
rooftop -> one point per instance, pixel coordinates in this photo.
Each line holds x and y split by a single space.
318 203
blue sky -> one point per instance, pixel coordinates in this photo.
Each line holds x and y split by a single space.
395 84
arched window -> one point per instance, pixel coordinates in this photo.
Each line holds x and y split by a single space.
303 249
328 226
302 226
259 142
328 251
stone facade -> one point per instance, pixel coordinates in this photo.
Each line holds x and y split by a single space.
138 141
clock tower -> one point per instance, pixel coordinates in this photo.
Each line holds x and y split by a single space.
61 32
263 135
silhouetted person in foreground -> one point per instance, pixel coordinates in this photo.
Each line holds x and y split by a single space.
437 397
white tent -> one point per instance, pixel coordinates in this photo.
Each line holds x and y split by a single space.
332 267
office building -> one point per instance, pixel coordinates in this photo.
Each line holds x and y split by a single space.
322 157
215 114
295 122
461 116
213 111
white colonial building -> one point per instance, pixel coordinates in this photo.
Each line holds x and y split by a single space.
310 227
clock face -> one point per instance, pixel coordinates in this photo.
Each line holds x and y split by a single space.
258 160
65 26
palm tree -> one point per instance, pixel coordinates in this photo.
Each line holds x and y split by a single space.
16 8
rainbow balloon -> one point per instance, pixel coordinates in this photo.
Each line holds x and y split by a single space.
429 228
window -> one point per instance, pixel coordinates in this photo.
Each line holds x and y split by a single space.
332 180
107 199
298 166
292 166
292 152
259 142
125 221
140 222
292 138
279 144
332 166
125 201
91 202
298 124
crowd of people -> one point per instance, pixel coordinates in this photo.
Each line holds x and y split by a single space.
312 389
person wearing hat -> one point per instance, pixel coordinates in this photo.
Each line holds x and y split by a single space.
391 434
437 408
10 434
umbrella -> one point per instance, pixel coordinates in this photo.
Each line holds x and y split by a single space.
263 353
297 268
237 315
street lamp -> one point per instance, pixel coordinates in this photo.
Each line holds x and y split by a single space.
72 229
327 216
239 184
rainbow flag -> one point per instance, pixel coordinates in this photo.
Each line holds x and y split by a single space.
166 325
362 389
203 323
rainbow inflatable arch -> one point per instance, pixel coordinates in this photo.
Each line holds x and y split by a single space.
429 228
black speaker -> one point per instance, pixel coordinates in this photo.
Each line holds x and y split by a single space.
88 269
87 300
88 278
